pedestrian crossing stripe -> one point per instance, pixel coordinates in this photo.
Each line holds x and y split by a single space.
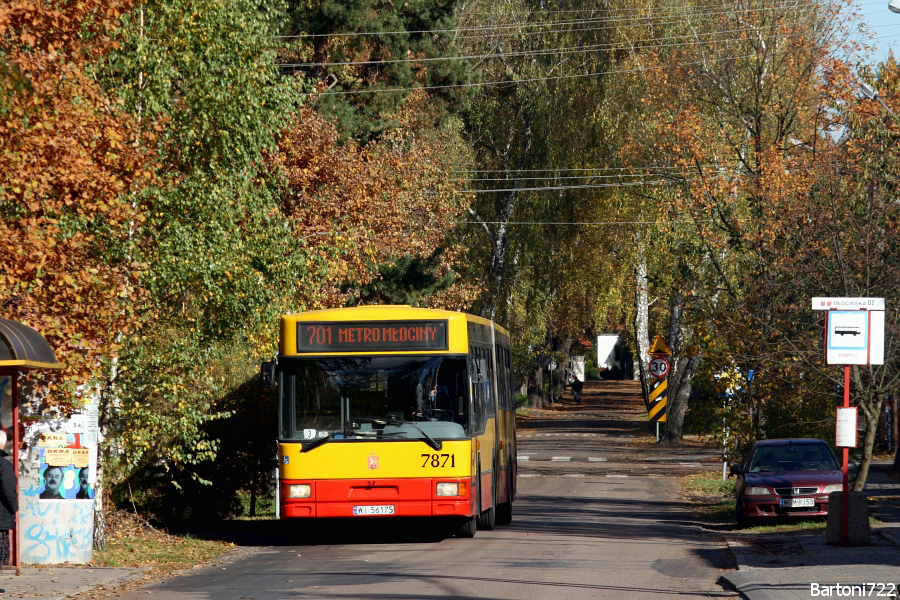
656 407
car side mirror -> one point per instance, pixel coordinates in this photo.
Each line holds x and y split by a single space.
736 469
267 374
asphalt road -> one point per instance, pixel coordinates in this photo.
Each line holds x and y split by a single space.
592 520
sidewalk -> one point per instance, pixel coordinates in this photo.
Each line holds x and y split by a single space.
785 566
58 582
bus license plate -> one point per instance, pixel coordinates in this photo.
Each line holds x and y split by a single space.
798 502
378 509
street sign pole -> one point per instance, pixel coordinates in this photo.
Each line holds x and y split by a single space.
659 368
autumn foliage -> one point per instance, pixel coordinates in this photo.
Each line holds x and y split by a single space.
357 206
68 160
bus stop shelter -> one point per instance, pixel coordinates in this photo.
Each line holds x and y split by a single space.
21 349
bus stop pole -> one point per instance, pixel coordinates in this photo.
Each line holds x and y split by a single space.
845 496
14 534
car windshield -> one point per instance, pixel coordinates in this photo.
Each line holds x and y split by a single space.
793 457
374 397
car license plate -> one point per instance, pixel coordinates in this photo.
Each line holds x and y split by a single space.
798 502
378 509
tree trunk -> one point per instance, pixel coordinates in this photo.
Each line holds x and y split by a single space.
872 409
641 321
253 483
536 389
320 55
679 394
682 370
560 375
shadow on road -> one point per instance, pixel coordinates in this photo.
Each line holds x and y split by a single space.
269 532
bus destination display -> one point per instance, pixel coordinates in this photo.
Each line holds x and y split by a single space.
385 336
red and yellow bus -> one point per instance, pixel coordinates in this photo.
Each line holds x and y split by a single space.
395 411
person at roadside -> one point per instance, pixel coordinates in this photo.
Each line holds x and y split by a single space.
53 477
9 502
84 491
576 389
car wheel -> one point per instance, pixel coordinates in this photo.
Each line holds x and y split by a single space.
739 517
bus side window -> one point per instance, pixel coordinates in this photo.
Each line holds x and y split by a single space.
489 384
501 377
477 400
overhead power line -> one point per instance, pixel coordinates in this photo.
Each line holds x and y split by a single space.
501 26
600 223
611 10
550 78
563 169
617 20
643 44
531 79
565 187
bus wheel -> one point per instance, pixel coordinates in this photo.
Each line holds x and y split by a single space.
504 511
467 530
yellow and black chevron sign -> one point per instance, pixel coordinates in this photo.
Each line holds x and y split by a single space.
656 409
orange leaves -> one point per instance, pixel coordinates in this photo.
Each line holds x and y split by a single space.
371 203
62 185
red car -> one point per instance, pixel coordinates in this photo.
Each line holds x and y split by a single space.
787 477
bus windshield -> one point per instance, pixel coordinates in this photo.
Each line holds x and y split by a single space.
374 397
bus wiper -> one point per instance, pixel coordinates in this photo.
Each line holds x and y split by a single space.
428 439
318 442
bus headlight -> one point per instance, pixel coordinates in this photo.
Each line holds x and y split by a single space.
448 489
302 490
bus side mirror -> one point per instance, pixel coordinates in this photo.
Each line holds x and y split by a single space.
267 374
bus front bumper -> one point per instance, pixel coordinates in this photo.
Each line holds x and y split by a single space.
377 498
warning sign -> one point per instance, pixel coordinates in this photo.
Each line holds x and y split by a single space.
659 346
656 407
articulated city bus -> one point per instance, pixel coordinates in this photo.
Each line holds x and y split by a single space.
395 411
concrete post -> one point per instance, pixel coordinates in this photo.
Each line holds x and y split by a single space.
858 531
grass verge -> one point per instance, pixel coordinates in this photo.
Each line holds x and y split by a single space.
710 499
132 542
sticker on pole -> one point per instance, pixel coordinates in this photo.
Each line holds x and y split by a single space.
659 367
845 427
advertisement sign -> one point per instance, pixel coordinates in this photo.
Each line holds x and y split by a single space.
65 470
845 427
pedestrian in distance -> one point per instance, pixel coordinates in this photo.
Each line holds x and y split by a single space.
576 389
9 501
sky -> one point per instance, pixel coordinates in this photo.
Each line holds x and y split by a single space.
885 26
